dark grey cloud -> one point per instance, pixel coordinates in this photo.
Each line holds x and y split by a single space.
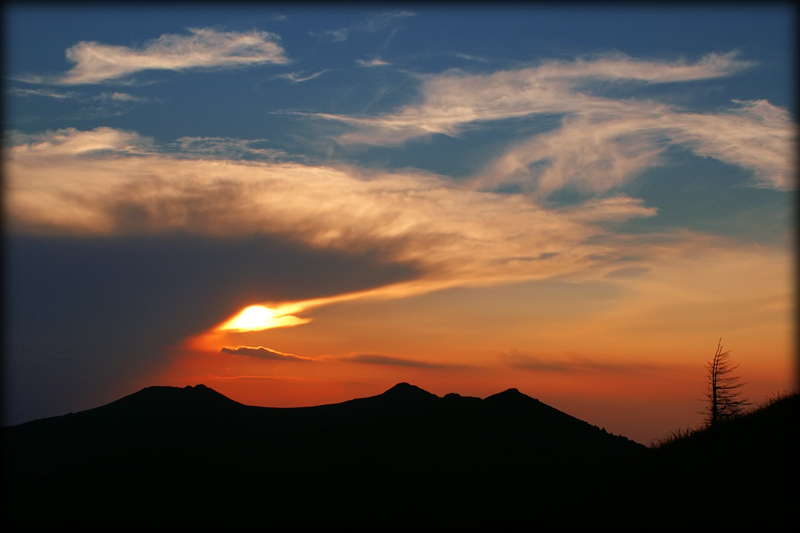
87 317
265 353
377 359
515 359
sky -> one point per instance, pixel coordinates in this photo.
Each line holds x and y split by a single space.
302 205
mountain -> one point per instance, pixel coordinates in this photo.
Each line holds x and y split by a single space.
405 458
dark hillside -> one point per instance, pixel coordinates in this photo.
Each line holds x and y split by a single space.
405 458
741 471
172 455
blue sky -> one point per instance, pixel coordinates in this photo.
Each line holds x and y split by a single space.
348 162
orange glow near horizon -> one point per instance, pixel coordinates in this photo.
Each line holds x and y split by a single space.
623 353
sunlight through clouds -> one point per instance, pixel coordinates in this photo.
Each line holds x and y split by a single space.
259 317
476 199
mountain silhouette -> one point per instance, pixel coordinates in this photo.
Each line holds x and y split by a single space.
404 458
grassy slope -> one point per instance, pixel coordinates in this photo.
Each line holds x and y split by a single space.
742 471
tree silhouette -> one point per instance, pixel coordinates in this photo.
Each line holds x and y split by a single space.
723 395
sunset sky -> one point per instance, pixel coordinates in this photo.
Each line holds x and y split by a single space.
577 203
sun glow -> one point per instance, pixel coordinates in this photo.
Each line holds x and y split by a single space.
258 317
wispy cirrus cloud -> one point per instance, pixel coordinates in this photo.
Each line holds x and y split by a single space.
265 353
470 57
598 154
202 48
297 77
454 99
226 148
16 91
376 62
370 25
602 142
120 97
755 135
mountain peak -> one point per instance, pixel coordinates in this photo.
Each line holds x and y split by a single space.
407 389
509 395
407 394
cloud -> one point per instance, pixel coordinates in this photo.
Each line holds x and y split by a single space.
599 154
454 99
371 25
120 97
297 77
602 143
105 182
377 62
227 148
470 57
756 135
593 155
70 142
115 97
203 48
376 359
617 207
339 35
574 363
112 182
620 67
265 353
42 92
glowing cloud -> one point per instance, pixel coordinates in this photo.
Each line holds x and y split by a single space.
64 182
204 48
260 352
259 317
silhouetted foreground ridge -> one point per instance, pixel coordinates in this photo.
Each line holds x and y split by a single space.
405 458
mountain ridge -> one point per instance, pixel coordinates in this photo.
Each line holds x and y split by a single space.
401 459
163 403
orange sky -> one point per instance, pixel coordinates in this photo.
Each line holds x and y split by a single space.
624 352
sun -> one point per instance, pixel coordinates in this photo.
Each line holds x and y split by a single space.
258 317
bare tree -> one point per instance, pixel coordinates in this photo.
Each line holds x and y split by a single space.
724 400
